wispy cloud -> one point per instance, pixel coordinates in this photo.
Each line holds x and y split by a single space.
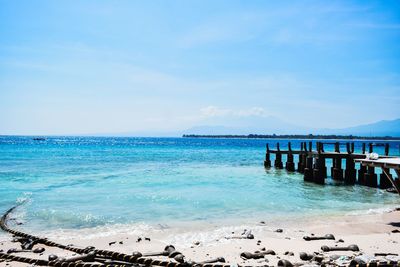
214 111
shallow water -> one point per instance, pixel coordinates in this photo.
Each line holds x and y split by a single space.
83 182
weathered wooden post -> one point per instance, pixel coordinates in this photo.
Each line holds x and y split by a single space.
384 182
278 158
308 172
304 158
318 173
300 164
337 171
316 148
333 162
387 149
371 179
289 163
267 161
350 172
323 162
362 170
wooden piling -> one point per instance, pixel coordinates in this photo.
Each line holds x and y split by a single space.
301 162
337 171
318 172
308 168
278 158
308 172
323 162
290 163
362 170
267 161
370 177
350 172
384 182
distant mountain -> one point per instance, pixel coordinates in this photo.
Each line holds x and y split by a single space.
271 125
380 128
248 125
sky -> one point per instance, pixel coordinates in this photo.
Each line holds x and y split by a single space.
91 67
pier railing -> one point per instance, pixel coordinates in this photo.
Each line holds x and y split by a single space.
312 162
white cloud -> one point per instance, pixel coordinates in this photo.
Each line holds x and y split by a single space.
214 111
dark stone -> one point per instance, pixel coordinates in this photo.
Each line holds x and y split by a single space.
285 263
305 256
53 257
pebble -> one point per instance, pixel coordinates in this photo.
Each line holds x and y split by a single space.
334 257
305 256
52 257
285 263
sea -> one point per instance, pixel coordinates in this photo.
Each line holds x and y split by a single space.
72 183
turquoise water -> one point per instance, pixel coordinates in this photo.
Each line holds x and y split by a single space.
80 182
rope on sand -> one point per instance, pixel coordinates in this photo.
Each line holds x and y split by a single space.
136 258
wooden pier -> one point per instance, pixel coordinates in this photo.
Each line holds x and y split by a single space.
312 163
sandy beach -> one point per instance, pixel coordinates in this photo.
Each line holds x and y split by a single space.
373 233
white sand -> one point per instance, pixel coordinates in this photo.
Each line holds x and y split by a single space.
372 233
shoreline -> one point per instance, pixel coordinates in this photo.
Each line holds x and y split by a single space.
276 220
371 232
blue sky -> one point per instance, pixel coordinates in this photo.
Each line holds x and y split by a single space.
76 67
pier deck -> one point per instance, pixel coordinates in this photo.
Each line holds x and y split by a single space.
312 163
385 164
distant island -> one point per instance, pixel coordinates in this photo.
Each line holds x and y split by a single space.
294 136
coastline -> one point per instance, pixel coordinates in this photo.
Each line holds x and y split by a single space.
371 232
296 137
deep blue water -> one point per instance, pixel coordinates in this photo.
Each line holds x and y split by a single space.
77 182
